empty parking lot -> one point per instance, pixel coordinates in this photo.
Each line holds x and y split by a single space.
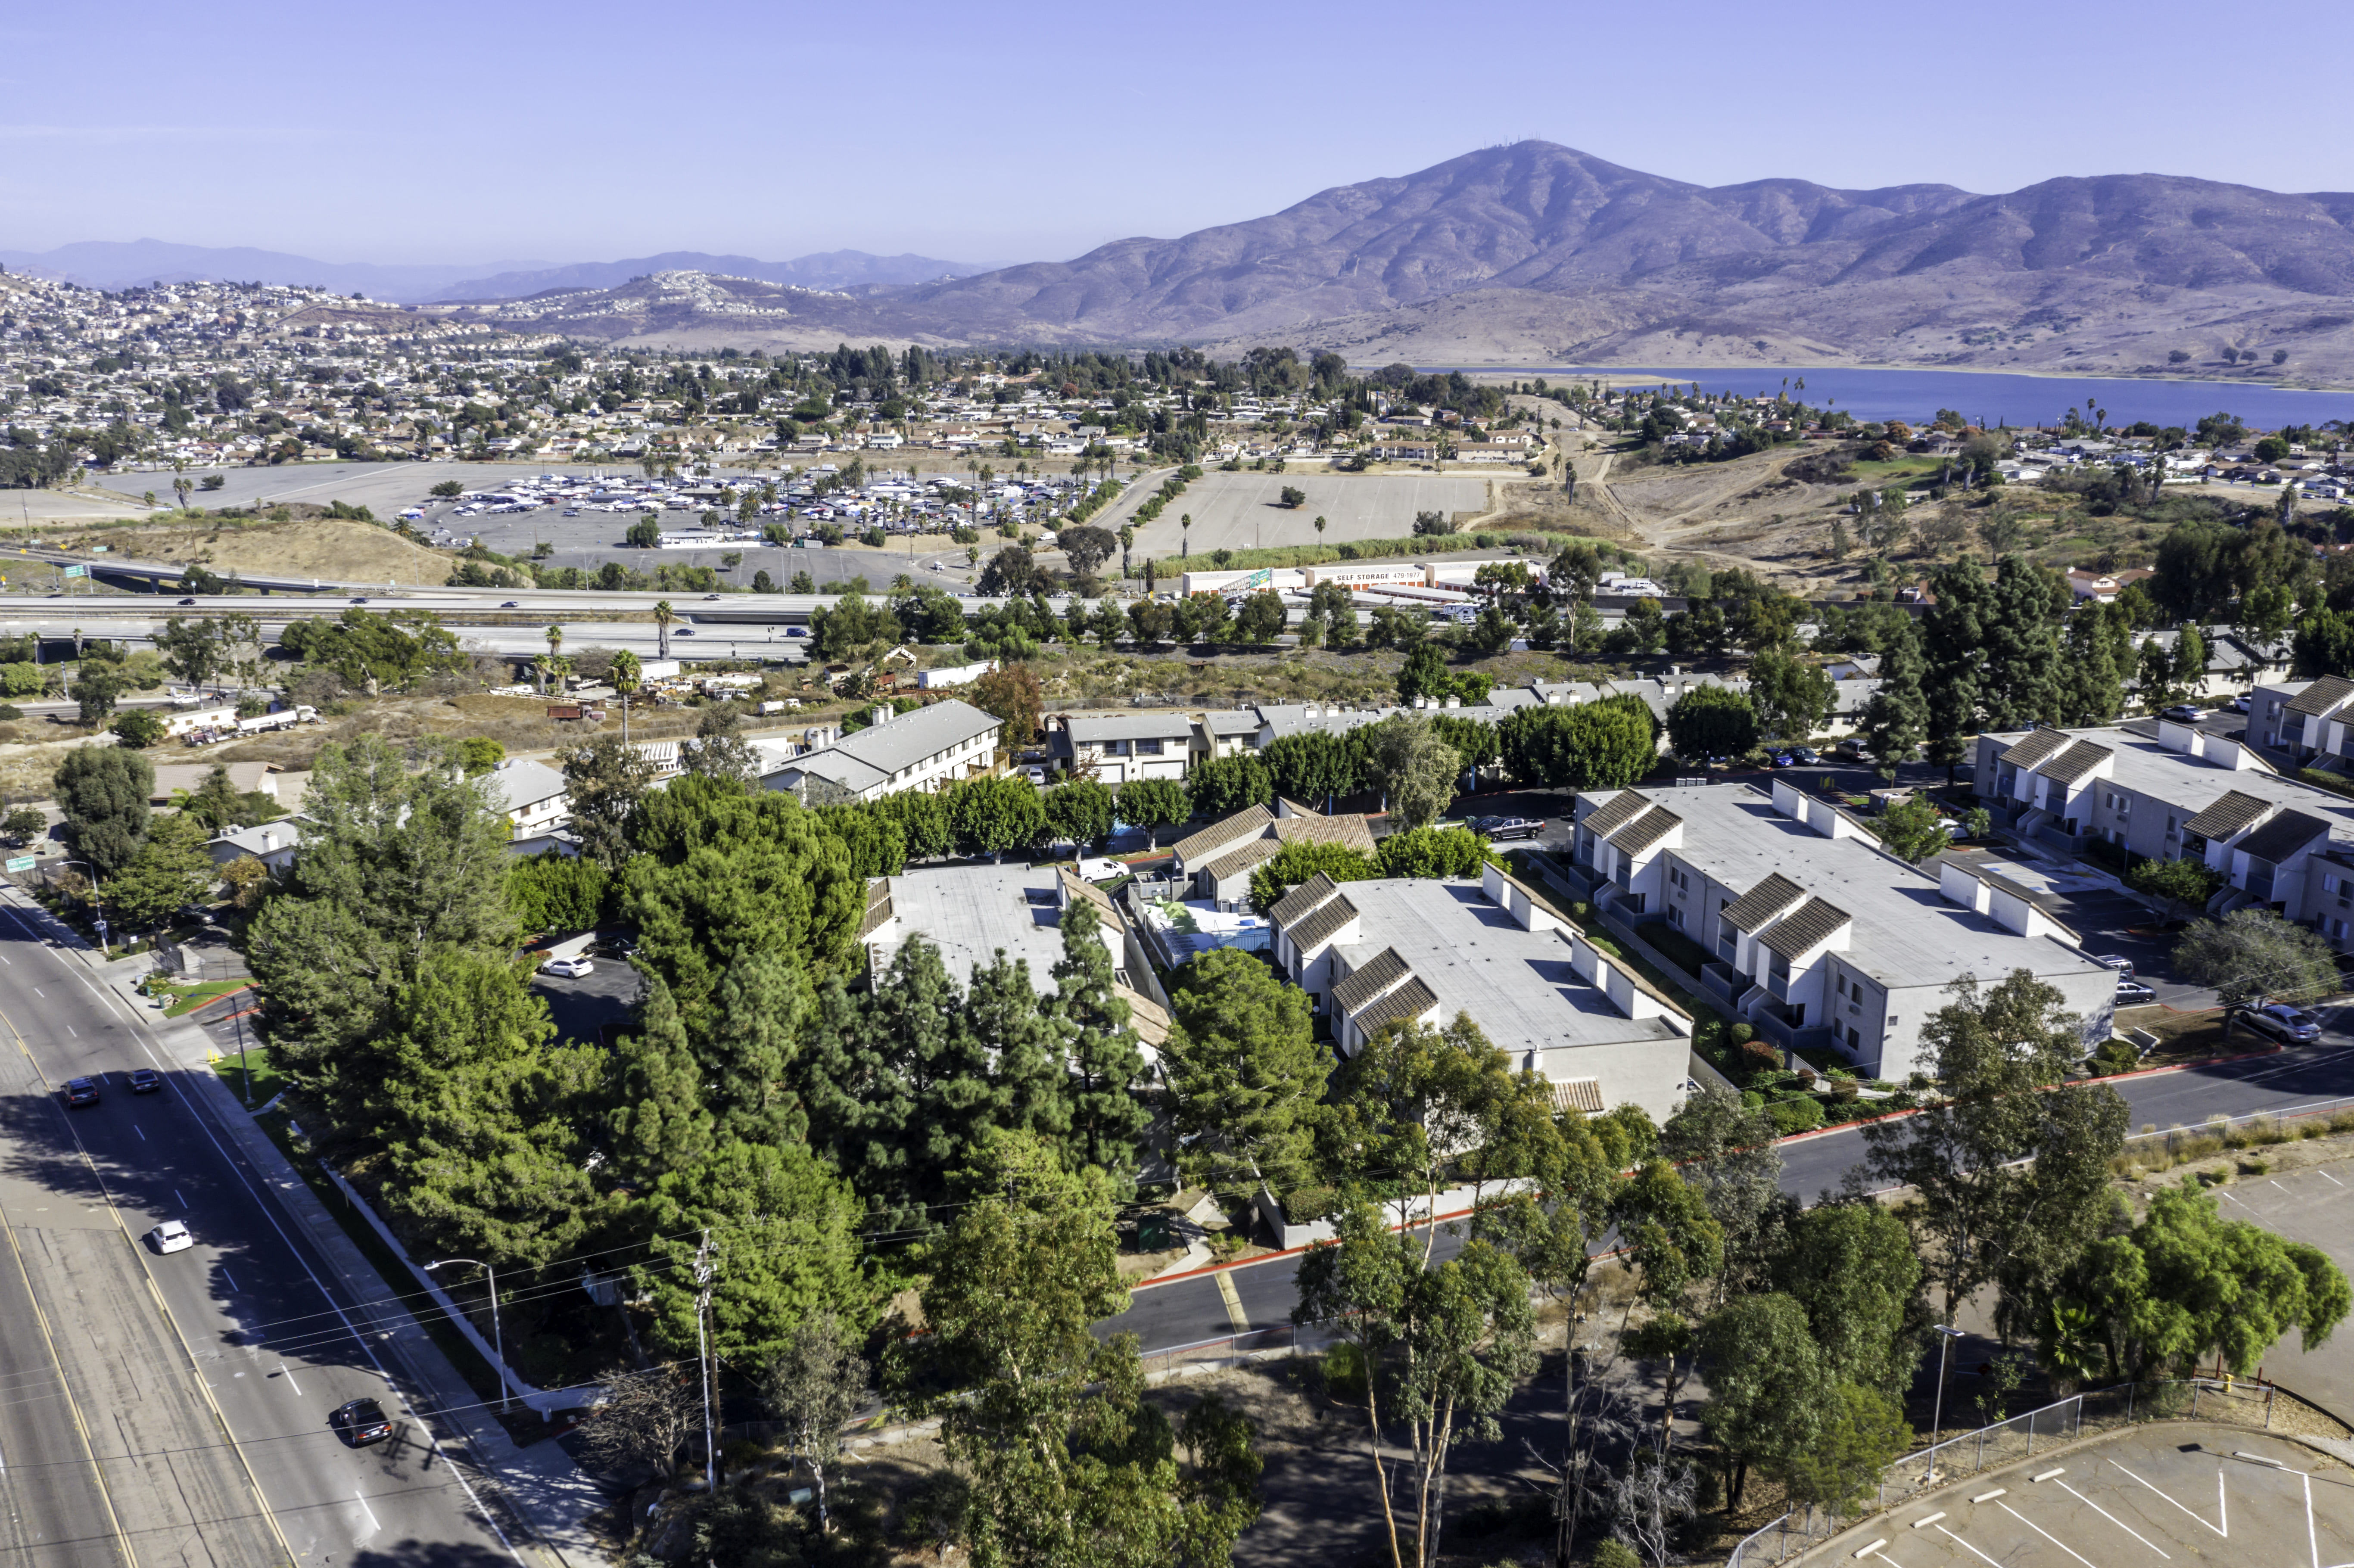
2170 1493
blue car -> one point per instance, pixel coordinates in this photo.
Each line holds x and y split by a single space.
1781 759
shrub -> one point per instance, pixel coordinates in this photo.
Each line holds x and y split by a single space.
1802 1115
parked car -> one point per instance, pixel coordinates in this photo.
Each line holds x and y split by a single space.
171 1237
2132 993
2184 713
81 1092
570 968
1805 755
1780 760
2123 966
1504 828
2240 704
360 1422
145 1080
1851 749
1036 774
2282 1021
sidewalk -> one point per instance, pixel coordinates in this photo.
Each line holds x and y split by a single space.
540 1482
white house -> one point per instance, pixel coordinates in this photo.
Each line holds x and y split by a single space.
920 750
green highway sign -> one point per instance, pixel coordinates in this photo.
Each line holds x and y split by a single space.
77 571
21 862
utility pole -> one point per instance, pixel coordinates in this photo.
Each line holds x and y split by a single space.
702 1272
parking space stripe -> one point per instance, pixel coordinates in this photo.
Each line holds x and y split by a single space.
1966 1546
2044 1533
2223 1507
2112 1518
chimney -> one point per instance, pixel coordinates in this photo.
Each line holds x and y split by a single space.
882 713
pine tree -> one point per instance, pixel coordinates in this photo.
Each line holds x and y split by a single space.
2097 693
659 1120
1896 719
1953 644
760 1006
1107 1119
2023 682
1033 1090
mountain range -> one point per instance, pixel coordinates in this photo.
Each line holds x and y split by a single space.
121 264
1534 253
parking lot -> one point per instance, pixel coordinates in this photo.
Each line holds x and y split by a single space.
2169 1493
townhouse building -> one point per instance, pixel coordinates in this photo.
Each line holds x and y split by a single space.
1217 861
1123 747
924 749
1813 934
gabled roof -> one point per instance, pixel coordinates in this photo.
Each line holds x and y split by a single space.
1778 894
2076 764
1322 922
2233 813
1247 824
1242 857
1077 886
1646 830
1094 729
2324 696
1616 812
1807 927
1301 899
1411 1000
1577 1094
2283 836
2039 747
1384 970
1312 827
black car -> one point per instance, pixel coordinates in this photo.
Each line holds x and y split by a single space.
1500 828
360 1422
187 602
145 1080
81 1091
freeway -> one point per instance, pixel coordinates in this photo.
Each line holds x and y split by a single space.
1260 1296
203 1379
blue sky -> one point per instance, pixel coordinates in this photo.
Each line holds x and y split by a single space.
432 132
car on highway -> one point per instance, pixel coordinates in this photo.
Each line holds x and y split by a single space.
2282 1021
683 631
1501 828
797 632
187 602
360 599
2132 993
81 1091
2183 713
710 595
360 1422
511 604
171 1237
2123 966
570 968
145 1080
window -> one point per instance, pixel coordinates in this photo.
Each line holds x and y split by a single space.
1148 748
1854 1040
1676 916
1838 985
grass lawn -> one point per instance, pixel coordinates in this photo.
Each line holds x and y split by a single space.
1679 948
187 999
267 1080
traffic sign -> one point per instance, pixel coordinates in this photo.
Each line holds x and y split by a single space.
77 571
21 862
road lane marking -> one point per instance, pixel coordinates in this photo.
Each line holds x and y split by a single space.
2044 1533
72 1031
269 1214
231 1278
175 1193
2328 1178
289 1372
373 1525
39 993
137 1129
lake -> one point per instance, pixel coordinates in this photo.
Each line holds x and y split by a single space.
1995 399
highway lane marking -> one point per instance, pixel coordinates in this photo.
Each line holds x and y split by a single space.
432 1438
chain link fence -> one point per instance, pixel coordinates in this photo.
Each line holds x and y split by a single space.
2239 1402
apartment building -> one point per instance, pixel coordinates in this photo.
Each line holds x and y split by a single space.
1374 953
1816 936
1119 748
924 749
2168 791
1218 860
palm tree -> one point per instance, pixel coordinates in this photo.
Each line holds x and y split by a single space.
554 645
626 671
1185 530
663 616
1320 530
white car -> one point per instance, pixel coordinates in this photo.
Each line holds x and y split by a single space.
171 1237
571 968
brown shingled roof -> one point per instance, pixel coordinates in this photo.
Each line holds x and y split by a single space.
1369 979
2037 748
2284 836
1308 827
2075 765
1778 894
878 907
1577 1094
1078 886
1616 812
1646 830
1301 899
1247 824
1323 922
1242 857
1411 1000
2227 816
1806 928
2323 698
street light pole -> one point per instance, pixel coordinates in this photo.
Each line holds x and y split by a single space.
1947 1334
96 902
498 1340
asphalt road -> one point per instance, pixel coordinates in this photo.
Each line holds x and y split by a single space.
161 1353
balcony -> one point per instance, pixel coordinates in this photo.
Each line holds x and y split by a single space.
1772 1022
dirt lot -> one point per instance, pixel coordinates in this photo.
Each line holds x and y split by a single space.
1240 510
315 546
